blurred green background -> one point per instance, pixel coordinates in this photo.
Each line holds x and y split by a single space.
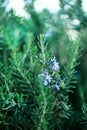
70 22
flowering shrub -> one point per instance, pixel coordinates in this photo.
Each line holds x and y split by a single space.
34 90
50 76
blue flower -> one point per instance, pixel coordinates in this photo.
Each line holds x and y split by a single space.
54 64
46 77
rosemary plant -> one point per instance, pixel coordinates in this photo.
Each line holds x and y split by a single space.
33 91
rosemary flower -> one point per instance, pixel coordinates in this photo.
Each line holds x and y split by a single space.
54 64
46 78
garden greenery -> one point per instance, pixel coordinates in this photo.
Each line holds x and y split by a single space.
33 87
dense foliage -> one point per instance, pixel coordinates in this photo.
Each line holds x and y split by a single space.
43 78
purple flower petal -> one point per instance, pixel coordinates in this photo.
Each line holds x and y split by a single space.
54 64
